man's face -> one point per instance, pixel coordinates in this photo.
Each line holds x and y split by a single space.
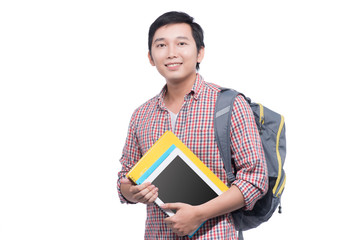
174 52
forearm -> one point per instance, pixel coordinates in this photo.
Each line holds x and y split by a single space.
227 202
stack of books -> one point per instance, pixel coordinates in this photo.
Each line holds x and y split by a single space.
177 172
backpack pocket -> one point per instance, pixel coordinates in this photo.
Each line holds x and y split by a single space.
262 211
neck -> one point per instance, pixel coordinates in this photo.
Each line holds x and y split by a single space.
176 91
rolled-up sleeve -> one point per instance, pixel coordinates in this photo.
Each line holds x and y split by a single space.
130 155
248 154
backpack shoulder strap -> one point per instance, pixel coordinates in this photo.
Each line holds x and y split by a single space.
222 118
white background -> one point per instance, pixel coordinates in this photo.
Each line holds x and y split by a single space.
72 72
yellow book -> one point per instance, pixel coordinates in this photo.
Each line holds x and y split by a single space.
177 172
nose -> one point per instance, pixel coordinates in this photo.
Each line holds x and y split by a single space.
172 51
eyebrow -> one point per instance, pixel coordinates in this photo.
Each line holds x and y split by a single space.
159 40
185 38
162 39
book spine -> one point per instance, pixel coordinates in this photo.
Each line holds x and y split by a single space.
131 178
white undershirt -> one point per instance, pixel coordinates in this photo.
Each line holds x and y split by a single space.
173 120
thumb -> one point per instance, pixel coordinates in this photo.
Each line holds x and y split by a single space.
172 206
125 181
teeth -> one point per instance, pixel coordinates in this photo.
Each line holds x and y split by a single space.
173 65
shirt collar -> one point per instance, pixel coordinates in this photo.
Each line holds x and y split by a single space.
195 90
198 86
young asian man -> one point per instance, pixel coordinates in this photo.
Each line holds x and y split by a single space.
186 106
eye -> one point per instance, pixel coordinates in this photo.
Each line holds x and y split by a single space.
182 43
160 45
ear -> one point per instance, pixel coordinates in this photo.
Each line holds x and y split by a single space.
201 54
151 59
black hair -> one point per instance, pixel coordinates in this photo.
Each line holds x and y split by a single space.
178 17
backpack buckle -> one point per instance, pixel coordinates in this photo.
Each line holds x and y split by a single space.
230 178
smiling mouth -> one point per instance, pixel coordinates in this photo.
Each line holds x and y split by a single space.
173 64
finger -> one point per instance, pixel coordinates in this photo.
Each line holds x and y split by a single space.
172 206
138 188
152 190
144 194
169 221
153 196
149 198
148 193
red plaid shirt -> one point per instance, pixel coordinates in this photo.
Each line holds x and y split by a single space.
194 126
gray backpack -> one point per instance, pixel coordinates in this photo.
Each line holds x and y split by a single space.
272 133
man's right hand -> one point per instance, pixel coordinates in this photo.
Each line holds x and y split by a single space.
145 193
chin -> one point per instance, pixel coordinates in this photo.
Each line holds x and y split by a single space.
179 77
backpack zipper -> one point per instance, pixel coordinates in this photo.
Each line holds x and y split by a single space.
278 155
280 208
261 118
281 187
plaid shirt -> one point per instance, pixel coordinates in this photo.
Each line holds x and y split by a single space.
194 127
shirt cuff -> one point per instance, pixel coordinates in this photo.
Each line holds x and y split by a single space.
250 192
122 198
